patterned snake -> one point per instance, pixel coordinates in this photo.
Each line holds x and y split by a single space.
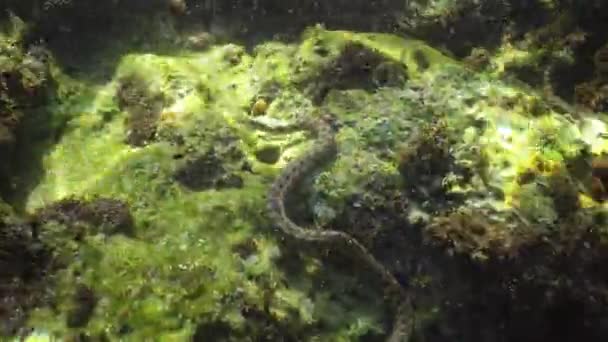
324 148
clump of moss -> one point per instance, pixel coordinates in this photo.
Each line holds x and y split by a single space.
81 307
563 191
549 183
356 66
474 234
426 158
102 215
594 93
478 59
463 19
219 165
25 83
24 264
207 171
546 278
535 204
144 105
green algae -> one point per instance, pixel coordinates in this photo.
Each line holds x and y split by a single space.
183 238
181 268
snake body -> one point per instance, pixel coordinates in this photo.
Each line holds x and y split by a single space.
324 148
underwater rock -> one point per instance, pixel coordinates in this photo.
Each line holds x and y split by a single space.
377 213
565 194
473 234
110 215
380 210
551 281
455 25
25 83
25 263
592 95
144 106
357 66
479 59
20 251
554 52
389 74
534 204
425 159
268 153
218 164
527 254
233 54
268 92
201 173
82 307
103 215
200 41
259 107
206 172
177 7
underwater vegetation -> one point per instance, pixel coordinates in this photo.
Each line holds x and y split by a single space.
205 173
144 106
24 262
25 83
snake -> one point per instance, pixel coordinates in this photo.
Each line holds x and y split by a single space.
323 149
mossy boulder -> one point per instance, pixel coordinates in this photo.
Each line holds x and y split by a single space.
25 263
199 258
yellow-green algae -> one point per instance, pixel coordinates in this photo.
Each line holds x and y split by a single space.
181 268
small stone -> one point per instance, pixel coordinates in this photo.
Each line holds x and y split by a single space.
200 41
177 7
260 106
233 54
268 154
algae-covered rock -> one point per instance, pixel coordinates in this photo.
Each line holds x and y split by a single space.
268 154
355 66
33 251
144 105
425 158
104 215
84 303
25 84
207 172
451 178
24 263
